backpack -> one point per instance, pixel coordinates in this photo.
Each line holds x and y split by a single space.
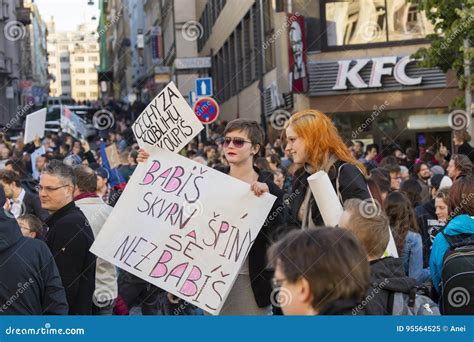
457 276
411 304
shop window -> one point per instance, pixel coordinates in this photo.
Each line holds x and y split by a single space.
350 22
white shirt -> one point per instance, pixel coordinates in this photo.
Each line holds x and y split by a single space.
17 204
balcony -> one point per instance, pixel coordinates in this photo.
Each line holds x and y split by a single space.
23 16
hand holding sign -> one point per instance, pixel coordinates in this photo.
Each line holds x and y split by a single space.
167 122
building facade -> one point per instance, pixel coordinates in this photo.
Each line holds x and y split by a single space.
14 22
73 62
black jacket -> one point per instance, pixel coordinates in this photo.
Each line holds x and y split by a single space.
343 307
260 274
387 275
467 150
33 206
352 184
29 279
69 238
429 227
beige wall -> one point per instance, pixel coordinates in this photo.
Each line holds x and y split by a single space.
229 18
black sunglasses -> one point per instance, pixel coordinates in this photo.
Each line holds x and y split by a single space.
238 142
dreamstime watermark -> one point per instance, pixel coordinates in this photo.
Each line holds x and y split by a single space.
104 298
279 118
458 119
375 291
281 30
458 208
14 30
377 110
21 112
370 31
280 297
114 20
458 297
279 210
458 31
22 287
103 119
193 209
46 330
192 30
369 208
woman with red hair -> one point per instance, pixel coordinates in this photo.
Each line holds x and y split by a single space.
313 141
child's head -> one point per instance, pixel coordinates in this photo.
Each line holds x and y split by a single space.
316 267
368 224
30 226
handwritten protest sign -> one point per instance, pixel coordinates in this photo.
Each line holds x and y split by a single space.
113 156
167 122
175 228
34 126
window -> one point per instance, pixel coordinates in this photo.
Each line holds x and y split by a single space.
79 59
65 83
92 82
81 94
93 95
65 71
93 59
350 22
80 82
64 59
208 19
80 71
92 70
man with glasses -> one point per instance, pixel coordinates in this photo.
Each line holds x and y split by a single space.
69 237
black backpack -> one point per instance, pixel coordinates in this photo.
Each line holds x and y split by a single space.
457 276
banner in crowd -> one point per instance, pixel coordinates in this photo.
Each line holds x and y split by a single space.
167 122
183 227
34 126
73 124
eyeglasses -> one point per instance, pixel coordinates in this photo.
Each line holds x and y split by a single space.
49 189
277 283
238 142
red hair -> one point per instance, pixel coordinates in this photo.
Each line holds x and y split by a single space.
321 139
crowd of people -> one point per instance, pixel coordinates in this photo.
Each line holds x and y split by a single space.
55 204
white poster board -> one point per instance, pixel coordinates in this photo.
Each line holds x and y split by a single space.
167 122
183 227
34 126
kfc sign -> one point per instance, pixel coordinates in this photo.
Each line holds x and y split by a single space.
380 66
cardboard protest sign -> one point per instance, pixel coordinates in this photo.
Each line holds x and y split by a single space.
167 122
183 227
34 126
113 156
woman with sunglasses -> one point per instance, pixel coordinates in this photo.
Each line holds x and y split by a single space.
314 143
251 293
